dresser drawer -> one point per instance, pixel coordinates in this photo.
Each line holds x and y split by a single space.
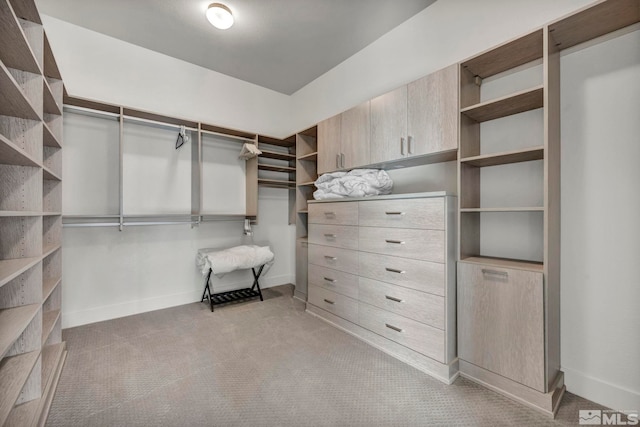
403 213
333 302
339 236
427 245
335 258
339 213
334 280
500 310
417 336
416 305
420 275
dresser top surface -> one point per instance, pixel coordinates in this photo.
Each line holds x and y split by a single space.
389 197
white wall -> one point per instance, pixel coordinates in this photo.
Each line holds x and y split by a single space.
109 274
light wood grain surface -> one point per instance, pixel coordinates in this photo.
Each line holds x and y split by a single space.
413 213
329 141
427 245
355 136
334 280
389 126
337 213
339 236
333 302
336 258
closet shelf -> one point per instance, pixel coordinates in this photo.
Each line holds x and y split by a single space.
514 209
49 139
506 157
19 213
14 321
48 287
50 66
506 56
14 372
518 102
51 213
49 320
272 168
276 183
307 184
11 154
49 174
505 263
594 21
15 51
49 249
309 157
12 268
14 103
49 103
305 211
288 142
276 155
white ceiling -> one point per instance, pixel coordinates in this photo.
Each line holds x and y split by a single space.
278 44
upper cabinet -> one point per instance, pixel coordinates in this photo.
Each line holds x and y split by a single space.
343 140
432 124
417 119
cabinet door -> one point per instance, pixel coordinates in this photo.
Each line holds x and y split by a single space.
389 126
356 129
329 144
501 322
433 112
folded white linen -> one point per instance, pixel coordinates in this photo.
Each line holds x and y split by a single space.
237 258
356 183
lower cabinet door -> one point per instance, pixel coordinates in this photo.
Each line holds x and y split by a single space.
501 322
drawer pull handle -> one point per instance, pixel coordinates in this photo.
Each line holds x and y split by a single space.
330 214
331 258
330 236
394 213
329 301
393 270
495 272
393 298
330 280
395 328
396 242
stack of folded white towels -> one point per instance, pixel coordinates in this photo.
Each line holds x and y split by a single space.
356 183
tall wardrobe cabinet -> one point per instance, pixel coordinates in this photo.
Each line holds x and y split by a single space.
31 349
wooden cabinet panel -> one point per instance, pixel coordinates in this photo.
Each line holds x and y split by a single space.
302 263
409 213
340 305
423 307
336 258
339 236
427 245
334 280
339 213
417 336
389 126
329 138
432 123
420 275
356 129
501 322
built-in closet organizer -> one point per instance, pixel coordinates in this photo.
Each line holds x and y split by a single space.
383 269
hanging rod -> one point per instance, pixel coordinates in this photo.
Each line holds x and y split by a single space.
90 224
135 224
157 123
90 112
224 135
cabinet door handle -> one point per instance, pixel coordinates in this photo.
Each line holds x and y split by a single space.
402 145
329 214
331 258
329 301
394 213
330 280
395 328
342 160
495 272
337 161
397 242
394 270
330 236
393 298
409 141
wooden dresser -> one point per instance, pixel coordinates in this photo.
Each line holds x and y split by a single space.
383 269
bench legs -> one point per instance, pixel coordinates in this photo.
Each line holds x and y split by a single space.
237 295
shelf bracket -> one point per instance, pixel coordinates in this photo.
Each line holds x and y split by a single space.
478 81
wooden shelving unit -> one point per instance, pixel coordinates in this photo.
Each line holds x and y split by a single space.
31 344
275 168
277 155
519 102
506 157
276 182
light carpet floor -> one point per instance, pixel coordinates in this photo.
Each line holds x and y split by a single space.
261 364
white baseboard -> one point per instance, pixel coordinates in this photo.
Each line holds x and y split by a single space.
599 391
113 311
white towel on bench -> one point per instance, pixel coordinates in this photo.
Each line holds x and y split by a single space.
237 258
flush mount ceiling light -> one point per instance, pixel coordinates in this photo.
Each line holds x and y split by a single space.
220 16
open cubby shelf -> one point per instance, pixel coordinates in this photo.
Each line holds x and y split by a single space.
505 263
14 372
506 157
15 51
275 183
14 321
311 157
526 100
15 102
504 209
274 168
277 155
49 175
49 103
48 286
11 154
49 139
49 320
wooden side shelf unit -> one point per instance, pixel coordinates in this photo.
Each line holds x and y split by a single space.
32 352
